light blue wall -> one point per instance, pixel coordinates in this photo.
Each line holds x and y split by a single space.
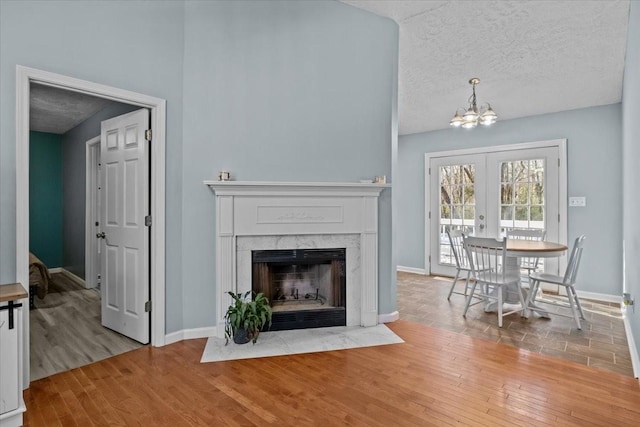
277 90
45 197
133 45
281 91
74 185
594 150
631 156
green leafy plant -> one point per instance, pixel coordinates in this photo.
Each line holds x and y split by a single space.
248 314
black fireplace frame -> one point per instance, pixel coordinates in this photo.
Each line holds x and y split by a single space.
306 318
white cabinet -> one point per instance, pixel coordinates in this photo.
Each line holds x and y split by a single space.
11 402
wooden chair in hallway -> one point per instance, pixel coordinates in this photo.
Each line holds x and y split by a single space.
568 281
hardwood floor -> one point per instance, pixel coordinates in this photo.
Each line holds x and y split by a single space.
601 343
435 378
65 330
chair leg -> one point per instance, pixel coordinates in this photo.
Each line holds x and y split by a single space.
574 310
466 283
499 306
575 295
453 285
533 291
469 298
523 303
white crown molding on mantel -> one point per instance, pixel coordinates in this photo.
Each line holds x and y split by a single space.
256 188
265 215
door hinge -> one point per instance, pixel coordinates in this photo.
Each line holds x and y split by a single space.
147 134
429 214
147 306
429 171
429 259
558 162
147 221
558 217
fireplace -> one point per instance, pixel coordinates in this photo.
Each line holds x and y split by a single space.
265 216
306 287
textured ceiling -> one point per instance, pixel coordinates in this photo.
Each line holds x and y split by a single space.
56 110
532 57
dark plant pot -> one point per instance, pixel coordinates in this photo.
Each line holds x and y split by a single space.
241 336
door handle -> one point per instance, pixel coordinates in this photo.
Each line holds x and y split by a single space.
481 226
101 235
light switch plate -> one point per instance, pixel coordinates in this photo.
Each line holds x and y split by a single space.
577 201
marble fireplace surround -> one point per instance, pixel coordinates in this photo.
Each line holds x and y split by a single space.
285 215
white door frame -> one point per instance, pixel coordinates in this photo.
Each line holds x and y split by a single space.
561 144
24 77
92 214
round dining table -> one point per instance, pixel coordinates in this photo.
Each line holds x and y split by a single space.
516 249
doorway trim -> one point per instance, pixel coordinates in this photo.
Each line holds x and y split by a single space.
91 213
24 77
561 144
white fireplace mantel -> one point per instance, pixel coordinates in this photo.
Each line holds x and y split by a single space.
315 212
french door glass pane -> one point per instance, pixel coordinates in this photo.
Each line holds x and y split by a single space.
522 195
457 205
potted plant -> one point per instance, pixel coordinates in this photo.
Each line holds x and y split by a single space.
246 317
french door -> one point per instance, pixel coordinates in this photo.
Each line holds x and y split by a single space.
485 194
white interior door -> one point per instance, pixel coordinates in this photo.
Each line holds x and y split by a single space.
124 156
485 194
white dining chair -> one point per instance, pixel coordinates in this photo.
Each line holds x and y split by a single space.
527 264
486 257
462 262
568 281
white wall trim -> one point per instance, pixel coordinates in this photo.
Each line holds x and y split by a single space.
76 279
633 348
413 270
595 296
190 334
389 317
24 77
90 241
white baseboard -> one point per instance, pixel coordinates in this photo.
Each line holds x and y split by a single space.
190 334
388 317
69 275
411 270
633 348
599 297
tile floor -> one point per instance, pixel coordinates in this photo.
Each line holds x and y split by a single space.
601 343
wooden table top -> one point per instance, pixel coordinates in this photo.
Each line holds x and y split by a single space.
12 291
534 246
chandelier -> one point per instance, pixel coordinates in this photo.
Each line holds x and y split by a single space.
472 116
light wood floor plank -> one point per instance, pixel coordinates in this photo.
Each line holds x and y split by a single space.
65 330
435 378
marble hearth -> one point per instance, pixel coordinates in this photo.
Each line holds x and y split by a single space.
275 215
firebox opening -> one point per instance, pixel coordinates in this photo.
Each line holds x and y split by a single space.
306 287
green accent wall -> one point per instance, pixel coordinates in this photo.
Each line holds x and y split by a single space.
45 197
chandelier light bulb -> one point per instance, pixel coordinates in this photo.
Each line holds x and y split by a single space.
457 120
489 117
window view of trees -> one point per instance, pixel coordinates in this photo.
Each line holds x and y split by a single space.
457 197
522 194
521 199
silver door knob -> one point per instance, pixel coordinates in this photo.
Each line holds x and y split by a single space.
101 235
